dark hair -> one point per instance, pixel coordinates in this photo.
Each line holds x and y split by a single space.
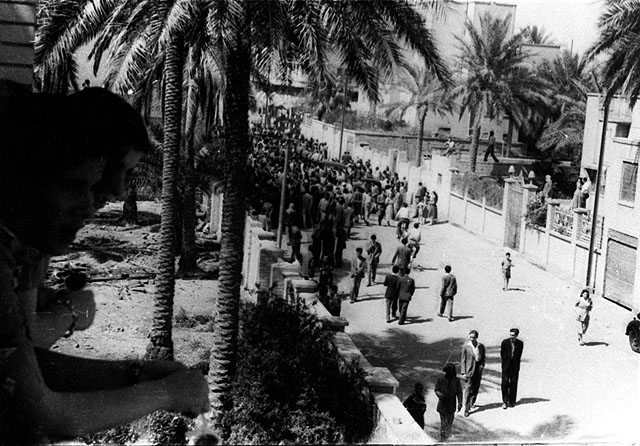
44 134
373 237
447 269
449 370
407 271
404 240
515 330
418 387
475 332
358 249
416 225
395 269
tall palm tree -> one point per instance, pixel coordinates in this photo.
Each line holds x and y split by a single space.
619 28
497 78
427 95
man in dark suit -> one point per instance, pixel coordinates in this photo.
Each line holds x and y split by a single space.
510 353
391 293
472 362
406 288
448 291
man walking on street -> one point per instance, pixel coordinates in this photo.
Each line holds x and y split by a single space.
507 264
402 256
358 269
448 390
510 353
415 236
448 290
491 148
406 288
391 293
307 205
472 362
374 249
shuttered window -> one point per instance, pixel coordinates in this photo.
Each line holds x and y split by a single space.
628 183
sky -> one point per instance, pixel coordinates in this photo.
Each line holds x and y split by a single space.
565 20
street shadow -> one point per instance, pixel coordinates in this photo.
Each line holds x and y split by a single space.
417 320
423 268
114 218
467 430
594 344
365 297
515 289
520 402
459 318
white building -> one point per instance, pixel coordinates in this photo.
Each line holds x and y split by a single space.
616 276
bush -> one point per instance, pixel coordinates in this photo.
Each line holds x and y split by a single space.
292 386
536 211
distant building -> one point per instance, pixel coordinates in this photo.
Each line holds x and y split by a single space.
445 29
617 277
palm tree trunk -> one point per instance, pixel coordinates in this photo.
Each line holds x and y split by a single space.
130 205
188 255
423 116
236 124
475 141
160 342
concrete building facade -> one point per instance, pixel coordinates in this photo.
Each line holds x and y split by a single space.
616 276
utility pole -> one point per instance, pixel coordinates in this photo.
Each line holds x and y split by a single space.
283 188
344 109
596 201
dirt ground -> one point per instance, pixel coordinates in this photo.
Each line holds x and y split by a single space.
120 264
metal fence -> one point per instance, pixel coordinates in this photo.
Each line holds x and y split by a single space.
562 222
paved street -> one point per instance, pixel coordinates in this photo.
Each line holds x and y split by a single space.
566 392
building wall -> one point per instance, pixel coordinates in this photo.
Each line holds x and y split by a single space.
622 219
17 24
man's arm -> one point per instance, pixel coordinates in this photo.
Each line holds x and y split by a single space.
463 361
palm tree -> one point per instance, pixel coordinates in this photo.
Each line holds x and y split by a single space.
427 95
536 35
301 35
619 30
497 79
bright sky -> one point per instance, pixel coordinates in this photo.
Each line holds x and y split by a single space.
565 20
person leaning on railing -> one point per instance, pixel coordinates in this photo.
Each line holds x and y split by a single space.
61 157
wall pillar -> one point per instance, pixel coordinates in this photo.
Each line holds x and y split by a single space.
552 206
579 214
528 191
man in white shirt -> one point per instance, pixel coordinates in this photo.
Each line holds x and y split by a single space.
415 236
471 365
402 217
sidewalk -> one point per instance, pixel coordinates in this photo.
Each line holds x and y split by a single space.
566 392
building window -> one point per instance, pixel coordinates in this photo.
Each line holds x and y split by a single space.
622 130
629 179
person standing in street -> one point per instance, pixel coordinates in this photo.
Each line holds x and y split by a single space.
348 220
583 307
374 250
406 288
402 217
416 404
448 291
510 354
449 391
507 264
391 282
358 269
307 206
472 362
415 236
402 256
491 148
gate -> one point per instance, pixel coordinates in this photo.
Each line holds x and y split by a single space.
513 220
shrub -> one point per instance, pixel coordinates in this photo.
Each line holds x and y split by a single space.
536 211
292 386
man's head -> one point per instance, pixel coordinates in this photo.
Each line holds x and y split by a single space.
447 269
407 271
508 255
418 388
62 158
395 269
416 225
491 133
514 332
373 237
473 335
404 241
420 184
359 251
449 370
